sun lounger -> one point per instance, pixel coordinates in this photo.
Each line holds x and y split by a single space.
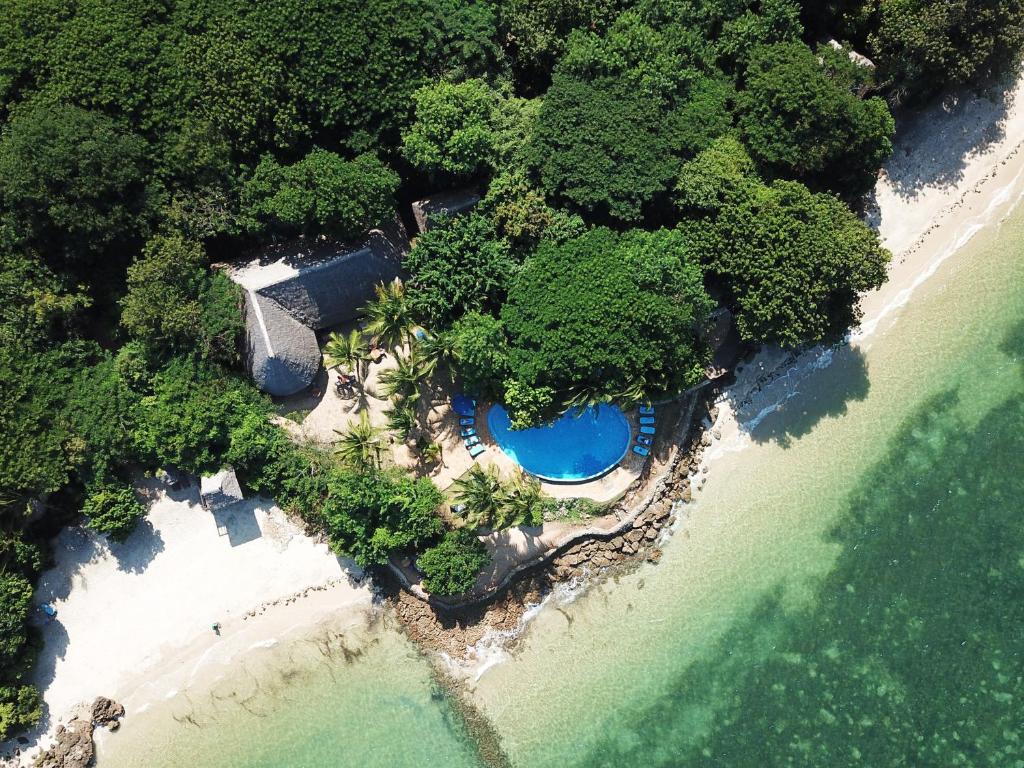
476 450
646 419
641 451
471 441
468 432
467 422
644 440
646 410
646 430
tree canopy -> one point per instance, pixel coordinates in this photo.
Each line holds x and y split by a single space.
320 194
794 262
608 317
74 184
458 266
800 116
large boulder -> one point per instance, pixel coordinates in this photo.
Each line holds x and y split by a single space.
73 748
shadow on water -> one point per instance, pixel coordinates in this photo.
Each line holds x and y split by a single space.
831 389
911 654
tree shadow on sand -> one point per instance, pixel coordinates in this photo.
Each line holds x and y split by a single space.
945 136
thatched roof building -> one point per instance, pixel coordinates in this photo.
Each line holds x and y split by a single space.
296 288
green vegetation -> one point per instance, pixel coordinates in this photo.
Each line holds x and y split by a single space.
800 116
607 317
459 266
453 131
487 501
634 158
794 262
923 46
320 194
451 567
113 509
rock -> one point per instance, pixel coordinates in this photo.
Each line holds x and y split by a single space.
652 534
717 433
73 749
686 495
713 412
618 541
106 711
654 555
634 536
705 439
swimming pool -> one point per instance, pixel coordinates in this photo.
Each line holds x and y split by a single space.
572 448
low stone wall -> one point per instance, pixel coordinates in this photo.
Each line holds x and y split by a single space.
455 626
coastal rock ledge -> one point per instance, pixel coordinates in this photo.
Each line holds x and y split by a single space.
74 747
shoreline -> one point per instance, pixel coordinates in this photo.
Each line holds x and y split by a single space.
134 620
924 229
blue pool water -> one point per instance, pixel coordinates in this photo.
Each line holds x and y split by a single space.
571 448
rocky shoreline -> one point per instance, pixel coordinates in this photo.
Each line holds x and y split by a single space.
73 743
455 628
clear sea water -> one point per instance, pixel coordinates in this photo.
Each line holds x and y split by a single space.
848 590
576 446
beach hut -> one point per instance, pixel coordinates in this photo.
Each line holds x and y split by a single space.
296 288
220 490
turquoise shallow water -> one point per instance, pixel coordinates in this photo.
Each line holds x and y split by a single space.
848 590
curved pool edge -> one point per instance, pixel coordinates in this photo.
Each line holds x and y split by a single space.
616 464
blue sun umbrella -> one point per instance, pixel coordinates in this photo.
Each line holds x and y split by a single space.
463 405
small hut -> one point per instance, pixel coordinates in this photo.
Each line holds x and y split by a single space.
220 490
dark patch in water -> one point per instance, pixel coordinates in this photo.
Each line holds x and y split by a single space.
910 655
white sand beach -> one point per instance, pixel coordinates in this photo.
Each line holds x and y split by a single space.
957 168
134 620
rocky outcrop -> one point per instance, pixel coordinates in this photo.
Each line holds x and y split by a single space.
454 629
73 746
106 712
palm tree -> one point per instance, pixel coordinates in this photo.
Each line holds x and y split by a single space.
432 453
480 491
585 395
404 380
387 316
438 351
351 350
519 501
360 444
402 418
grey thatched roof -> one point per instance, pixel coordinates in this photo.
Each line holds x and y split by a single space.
301 286
443 204
282 353
220 490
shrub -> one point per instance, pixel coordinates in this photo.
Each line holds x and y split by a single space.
451 567
113 509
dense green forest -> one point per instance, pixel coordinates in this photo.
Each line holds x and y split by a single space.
640 162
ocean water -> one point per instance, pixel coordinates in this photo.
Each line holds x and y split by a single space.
848 589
